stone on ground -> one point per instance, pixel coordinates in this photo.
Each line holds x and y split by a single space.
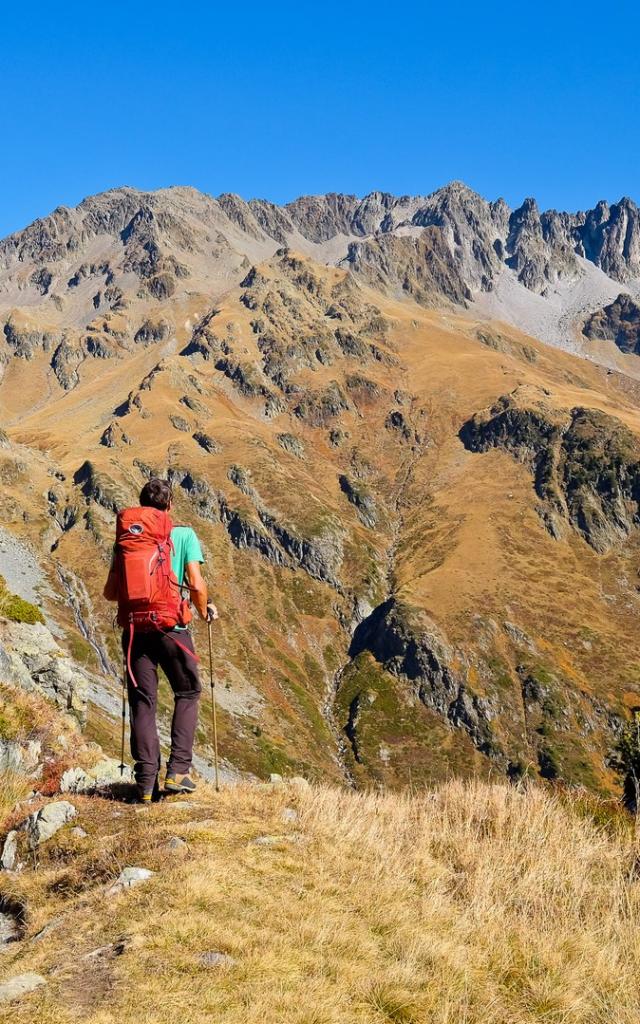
176 843
9 856
85 780
267 840
299 781
129 877
20 986
47 821
213 958
9 927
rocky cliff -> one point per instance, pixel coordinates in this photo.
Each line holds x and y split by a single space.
618 322
585 464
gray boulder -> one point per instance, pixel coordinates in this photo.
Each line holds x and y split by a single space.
5 663
129 877
267 840
47 821
10 756
9 855
176 844
20 986
86 780
300 782
212 958
19 757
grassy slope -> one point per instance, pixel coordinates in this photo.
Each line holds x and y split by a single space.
473 903
458 537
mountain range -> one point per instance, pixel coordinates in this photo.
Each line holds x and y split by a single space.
545 272
407 432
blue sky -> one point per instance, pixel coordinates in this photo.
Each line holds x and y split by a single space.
276 100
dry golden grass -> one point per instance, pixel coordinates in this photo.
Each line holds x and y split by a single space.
471 903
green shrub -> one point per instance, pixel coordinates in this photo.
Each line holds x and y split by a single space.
16 608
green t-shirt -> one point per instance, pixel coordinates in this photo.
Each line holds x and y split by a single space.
186 548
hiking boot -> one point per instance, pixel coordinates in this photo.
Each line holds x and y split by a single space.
175 783
147 796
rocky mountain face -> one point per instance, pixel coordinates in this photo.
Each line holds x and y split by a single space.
86 283
618 322
421 526
585 464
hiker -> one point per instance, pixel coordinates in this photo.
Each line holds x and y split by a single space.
152 560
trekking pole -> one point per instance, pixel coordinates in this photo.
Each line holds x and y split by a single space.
124 714
214 717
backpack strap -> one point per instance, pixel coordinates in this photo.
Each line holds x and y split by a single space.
129 648
170 634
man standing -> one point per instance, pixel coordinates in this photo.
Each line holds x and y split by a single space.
172 649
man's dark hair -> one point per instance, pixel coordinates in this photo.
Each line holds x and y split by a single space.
156 494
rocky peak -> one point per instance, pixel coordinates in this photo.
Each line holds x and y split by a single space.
500 212
371 213
539 246
466 222
271 219
610 238
320 218
240 213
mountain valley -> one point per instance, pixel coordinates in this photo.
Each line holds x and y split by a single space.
407 433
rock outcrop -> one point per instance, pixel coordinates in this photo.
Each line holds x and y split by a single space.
20 985
44 824
264 531
585 464
103 774
419 267
31 658
361 498
410 646
618 322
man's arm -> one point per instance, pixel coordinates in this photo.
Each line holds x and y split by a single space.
198 591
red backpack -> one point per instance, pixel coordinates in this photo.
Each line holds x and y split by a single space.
149 595
148 591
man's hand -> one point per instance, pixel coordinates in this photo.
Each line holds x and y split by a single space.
212 612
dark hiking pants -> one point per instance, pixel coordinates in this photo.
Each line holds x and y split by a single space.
149 651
